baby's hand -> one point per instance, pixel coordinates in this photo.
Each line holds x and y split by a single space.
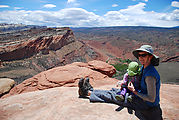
119 84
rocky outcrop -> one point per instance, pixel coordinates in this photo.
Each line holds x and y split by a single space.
99 73
26 53
102 67
5 85
62 103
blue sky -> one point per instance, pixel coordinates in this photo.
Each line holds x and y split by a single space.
91 13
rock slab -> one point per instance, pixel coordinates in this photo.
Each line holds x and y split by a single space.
5 85
99 73
62 103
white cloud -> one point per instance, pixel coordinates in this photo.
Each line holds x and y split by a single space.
65 17
77 17
49 6
4 6
71 1
175 4
136 16
135 9
17 8
72 4
174 16
114 5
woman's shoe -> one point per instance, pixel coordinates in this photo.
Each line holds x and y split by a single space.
84 87
80 85
81 82
87 84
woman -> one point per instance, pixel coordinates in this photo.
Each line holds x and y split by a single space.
149 94
146 100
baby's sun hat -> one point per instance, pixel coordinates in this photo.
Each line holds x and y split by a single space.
133 69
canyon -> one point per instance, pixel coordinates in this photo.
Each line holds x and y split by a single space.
26 50
47 63
25 53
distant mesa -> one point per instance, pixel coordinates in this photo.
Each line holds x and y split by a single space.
4 27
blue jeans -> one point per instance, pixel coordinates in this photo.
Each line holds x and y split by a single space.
107 96
142 110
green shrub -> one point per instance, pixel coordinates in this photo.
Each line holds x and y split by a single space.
121 67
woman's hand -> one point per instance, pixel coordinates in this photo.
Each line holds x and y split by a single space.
131 86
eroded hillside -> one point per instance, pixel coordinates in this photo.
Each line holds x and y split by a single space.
120 41
24 53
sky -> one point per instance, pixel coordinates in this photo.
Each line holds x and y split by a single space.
90 13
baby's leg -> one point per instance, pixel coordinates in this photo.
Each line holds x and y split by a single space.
123 91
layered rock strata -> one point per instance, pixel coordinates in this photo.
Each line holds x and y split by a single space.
24 54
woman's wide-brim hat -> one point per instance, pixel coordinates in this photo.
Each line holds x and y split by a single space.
148 49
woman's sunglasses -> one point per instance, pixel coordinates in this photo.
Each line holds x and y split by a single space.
142 55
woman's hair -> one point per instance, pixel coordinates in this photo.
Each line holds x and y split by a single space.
154 62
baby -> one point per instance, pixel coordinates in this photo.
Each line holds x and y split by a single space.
132 75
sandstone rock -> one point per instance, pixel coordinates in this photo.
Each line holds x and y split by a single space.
57 104
62 103
67 75
102 67
170 101
5 85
